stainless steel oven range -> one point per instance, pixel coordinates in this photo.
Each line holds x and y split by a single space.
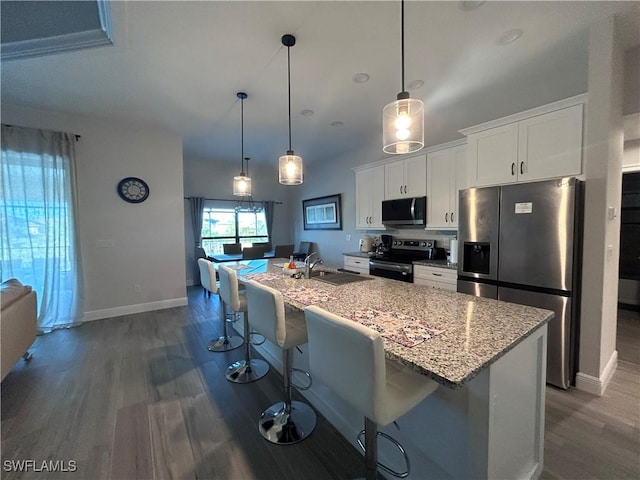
395 259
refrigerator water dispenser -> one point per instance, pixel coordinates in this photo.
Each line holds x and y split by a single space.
477 257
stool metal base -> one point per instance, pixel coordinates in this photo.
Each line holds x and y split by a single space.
241 372
224 344
278 426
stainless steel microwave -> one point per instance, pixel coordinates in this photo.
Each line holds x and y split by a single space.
404 212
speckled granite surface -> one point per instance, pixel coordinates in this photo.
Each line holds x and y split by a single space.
357 254
436 263
478 331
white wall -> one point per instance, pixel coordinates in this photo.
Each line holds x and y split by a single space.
603 171
204 177
123 245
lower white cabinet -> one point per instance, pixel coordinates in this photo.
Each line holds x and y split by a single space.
357 264
443 278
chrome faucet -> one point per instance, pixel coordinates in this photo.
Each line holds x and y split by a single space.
308 265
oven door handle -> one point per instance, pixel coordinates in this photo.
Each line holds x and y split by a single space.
406 269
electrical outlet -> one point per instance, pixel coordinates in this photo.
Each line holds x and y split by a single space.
348 238
137 288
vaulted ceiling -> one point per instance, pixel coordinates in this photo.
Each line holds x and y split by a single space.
179 65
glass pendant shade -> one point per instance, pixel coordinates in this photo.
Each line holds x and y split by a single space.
403 126
242 186
290 171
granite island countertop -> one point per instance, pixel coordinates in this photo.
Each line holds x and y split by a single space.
477 331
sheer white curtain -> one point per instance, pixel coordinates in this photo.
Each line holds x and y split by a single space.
38 221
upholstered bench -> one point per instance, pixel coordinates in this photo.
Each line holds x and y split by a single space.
17 322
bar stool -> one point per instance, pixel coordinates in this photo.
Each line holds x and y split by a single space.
285 422
349 358
208 281
247 370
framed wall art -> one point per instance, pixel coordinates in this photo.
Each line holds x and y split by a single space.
322 213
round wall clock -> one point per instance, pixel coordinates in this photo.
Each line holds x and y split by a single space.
133 190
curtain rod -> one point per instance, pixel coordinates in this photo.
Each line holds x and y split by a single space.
78 137
235 201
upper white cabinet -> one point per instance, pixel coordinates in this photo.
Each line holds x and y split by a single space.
494 154
446 175
369 196
406 178
535 145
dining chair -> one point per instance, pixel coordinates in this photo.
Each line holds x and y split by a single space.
284 251
250 253
303 250
232 248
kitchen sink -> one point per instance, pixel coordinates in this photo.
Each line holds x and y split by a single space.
338 278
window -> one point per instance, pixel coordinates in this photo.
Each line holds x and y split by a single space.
225 225
38 242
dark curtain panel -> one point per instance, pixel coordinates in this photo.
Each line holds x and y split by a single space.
196 204
268 214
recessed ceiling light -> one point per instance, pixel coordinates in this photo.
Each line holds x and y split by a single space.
306 113
468 6
415 84
361 77
337 123
510 36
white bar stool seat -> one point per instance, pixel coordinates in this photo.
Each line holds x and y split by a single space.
208 281
249 369
285 422
349 358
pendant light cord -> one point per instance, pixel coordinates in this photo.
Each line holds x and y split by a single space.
402 39
242 137
289 90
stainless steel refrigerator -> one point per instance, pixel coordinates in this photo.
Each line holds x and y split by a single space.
522 243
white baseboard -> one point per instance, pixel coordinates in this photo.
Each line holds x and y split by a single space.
598 385
131 309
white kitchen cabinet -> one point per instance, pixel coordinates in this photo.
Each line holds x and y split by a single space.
550 145
446 175
406 178
436 277
356 264
369 196
493 153
540 146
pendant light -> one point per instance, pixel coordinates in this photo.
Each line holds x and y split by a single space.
242 182
246 204
403 120
290 165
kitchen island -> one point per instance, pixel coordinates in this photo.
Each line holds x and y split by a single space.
487 419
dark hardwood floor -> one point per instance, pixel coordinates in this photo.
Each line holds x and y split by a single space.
140 397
